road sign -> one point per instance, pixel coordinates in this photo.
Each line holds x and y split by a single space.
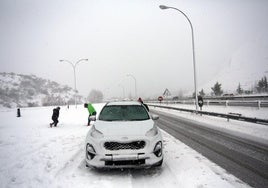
200 101
160 98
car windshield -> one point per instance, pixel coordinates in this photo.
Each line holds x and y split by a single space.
124 113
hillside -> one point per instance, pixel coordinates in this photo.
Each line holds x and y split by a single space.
246 66
17 90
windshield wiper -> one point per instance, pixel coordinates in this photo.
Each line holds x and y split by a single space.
137 119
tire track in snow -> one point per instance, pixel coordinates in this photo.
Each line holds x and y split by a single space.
155 177
76 161
237 155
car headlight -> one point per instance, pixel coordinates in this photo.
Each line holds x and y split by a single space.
90 152
152 132
158 149
96 133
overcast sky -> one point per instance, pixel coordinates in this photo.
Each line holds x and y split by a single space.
121 37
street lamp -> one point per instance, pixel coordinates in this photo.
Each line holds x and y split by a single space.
135 83
74 66
123 90
195 84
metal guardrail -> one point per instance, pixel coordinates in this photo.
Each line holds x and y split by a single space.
239 97
263 96
248 103
234 116
254 103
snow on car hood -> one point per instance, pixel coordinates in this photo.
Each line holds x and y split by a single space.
119 128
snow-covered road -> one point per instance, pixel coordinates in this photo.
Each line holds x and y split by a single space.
34 155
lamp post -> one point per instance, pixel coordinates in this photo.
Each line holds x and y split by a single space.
123 88
74 66
193 46
135 83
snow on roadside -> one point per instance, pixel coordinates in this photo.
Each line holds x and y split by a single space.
253 131
34 155
253 112
193 169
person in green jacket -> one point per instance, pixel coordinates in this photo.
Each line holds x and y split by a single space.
91 111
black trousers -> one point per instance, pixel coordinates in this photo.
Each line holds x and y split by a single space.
55 122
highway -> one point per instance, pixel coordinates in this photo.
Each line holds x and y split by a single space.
244 158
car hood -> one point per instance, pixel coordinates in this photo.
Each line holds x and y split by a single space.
124 128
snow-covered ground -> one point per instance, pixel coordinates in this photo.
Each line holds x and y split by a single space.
34 155
254 112
250 130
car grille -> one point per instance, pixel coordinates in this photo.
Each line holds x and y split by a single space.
121 146
125 163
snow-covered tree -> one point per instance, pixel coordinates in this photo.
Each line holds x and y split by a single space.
217 89
95 96
239 90
202 93
262 85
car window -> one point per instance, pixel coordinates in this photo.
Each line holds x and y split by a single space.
123 113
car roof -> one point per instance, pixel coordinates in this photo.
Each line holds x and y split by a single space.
119 103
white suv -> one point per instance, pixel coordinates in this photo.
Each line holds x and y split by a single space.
124 136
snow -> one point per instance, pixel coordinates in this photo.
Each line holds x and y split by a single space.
247 65
34 155
254 112
252 131
8 80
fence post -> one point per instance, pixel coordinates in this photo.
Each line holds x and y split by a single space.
18 112
259 104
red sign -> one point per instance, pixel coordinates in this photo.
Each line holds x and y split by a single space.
160 98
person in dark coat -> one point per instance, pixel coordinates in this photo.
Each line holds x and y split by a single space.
55 116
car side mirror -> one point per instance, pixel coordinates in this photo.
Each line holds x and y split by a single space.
154 117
